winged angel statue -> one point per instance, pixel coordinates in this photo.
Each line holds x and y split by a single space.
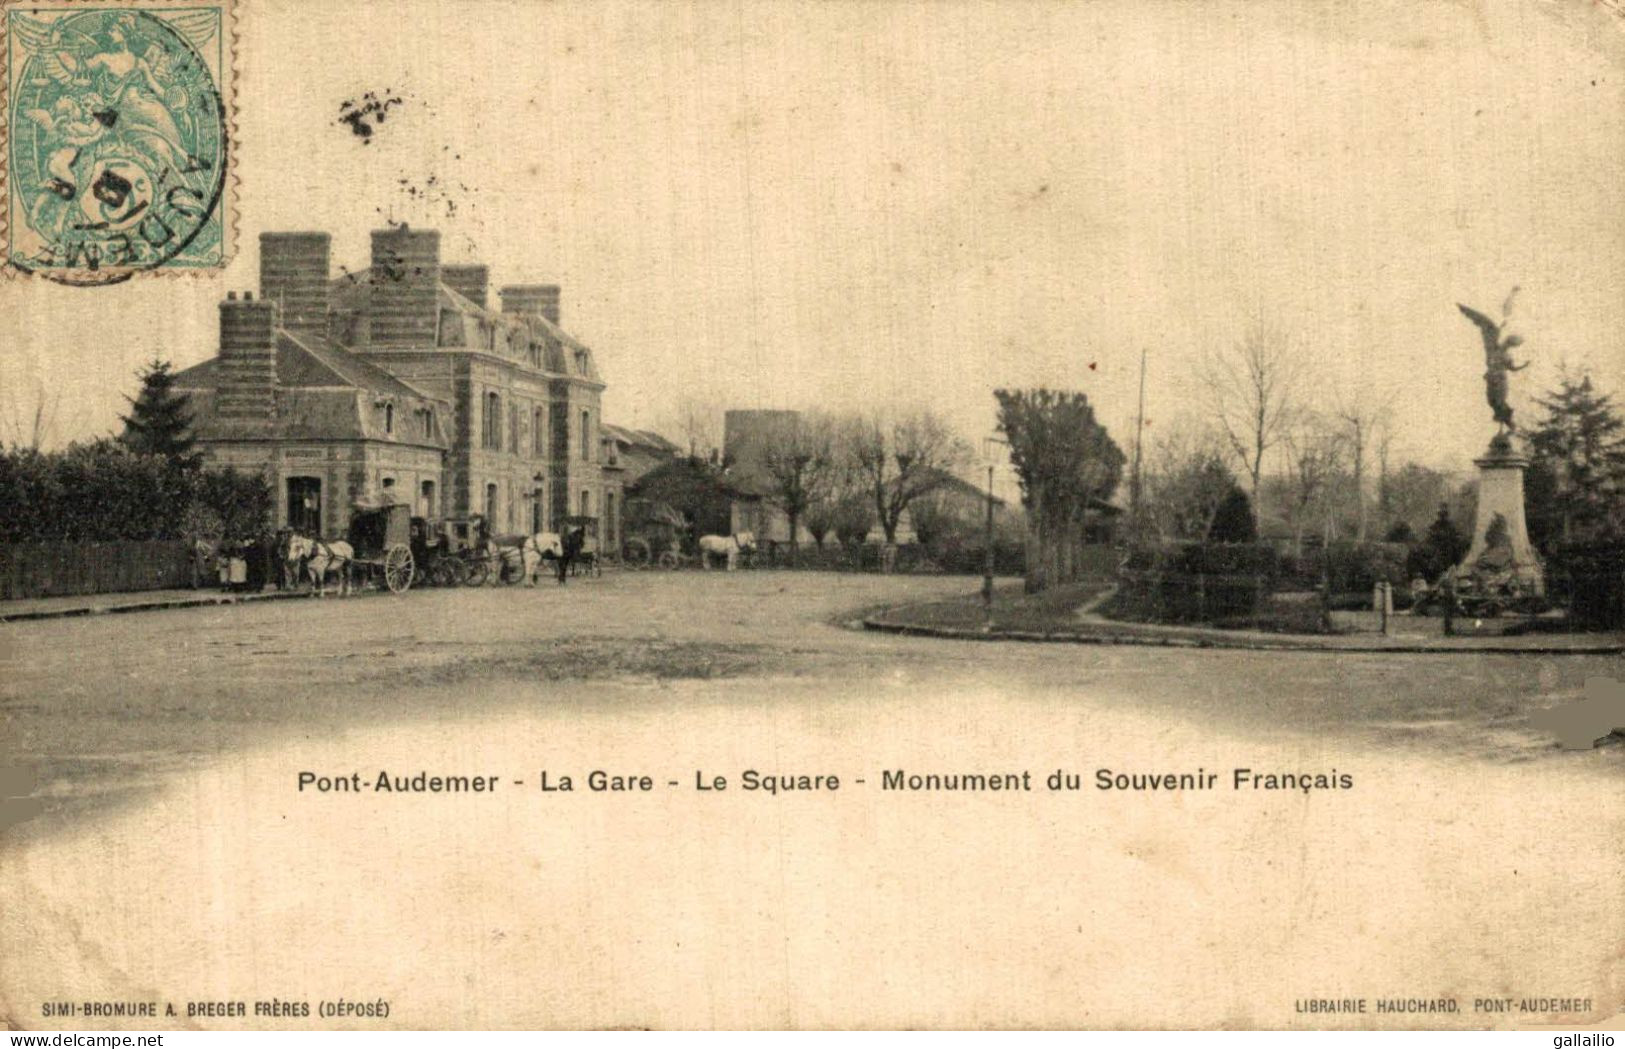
1497 357
115 99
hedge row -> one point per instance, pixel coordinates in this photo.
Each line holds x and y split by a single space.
102 492
1008 559
1351 568
1196 582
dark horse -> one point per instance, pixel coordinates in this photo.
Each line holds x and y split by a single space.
575 539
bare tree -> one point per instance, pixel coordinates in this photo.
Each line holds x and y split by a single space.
844 509
1253 391
1315 459
900 459
1385 441
798 463
1186 478
1413 494
1363 419
697 424
34 421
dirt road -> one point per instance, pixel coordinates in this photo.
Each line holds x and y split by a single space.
167 852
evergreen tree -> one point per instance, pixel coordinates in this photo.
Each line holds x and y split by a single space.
1441 548
1578 468
1233 522
1066 462
160 419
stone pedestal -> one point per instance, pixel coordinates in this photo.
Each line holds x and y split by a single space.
1500 548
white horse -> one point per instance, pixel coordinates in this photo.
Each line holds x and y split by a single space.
321 559
535 550
728 547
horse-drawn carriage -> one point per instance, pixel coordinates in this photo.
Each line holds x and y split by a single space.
658 535
581 541
382 540
452 552
377 547
654 535
463 552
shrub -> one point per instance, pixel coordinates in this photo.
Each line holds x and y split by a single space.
1233 521
1590 577
1196 582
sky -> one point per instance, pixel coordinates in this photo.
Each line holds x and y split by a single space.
854 206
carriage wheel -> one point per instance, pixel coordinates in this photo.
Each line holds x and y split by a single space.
477 572
637 553
398 568
671 559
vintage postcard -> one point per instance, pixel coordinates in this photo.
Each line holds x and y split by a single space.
775 514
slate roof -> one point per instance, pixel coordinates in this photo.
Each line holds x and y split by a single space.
311 362
317 386
640 439
353 291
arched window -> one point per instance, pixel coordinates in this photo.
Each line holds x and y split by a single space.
586 436
389 418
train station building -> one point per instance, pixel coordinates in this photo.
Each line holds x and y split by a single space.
406 381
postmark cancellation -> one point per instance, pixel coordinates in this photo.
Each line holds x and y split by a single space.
117 137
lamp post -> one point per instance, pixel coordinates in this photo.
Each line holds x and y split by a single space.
987 548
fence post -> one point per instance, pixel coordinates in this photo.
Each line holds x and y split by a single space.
1449 606
1325 589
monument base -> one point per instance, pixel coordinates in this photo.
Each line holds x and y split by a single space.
1501 557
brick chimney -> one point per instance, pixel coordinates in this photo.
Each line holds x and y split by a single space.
532 300
247 389
470 280
293 276
405 287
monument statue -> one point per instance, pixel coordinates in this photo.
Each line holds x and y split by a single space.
1497 359
1501 569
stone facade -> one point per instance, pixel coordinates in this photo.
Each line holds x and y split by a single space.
400 381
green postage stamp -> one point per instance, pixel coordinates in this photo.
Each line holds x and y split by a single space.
117 124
